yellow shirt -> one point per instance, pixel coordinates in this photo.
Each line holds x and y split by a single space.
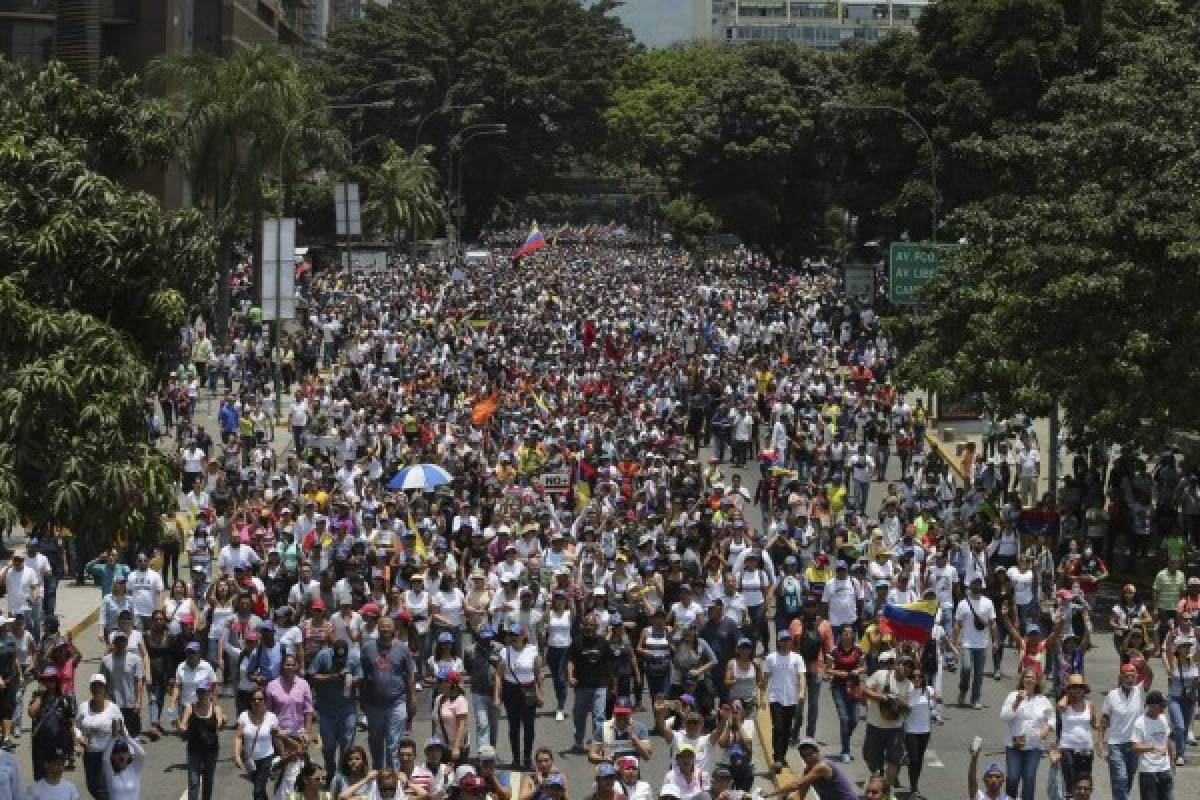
762 380
837 499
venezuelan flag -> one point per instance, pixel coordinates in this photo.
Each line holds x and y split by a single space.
536 241
911 621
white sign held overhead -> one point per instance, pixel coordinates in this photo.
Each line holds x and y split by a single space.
279 239
349 212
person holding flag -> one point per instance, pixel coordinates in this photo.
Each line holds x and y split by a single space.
534 242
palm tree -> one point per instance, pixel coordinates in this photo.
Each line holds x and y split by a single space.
234 114
402 194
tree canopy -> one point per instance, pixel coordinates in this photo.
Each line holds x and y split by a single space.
71 237
96 280
542 67
1072 288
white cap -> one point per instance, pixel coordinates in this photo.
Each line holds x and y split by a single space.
97 678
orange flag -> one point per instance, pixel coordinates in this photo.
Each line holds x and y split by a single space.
485 408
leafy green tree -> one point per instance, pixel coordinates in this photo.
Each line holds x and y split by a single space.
72 238
238 114
740 131
1074 288
402 194
543 67
74 448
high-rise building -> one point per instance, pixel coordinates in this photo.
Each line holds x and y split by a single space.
82 33
661 23
824 24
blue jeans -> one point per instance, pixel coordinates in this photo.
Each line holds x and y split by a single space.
337 728
1022 771
861 490
386 726
970 672
556 659
589 702
1122 768
847 711
1182 712
487 718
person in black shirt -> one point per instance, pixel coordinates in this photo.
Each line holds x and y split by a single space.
589 672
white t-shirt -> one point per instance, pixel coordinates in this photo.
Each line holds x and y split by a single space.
63 790
19 586
187 677
971 636
1156 732
842 597
1123 711
145 585
704 746
942 580
97 725
785 676
450 605
257 738
1022 584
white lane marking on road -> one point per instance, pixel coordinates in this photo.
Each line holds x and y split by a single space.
932 760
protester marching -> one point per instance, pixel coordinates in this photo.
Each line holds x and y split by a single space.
667 502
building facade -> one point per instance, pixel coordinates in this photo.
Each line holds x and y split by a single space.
82 33
823 24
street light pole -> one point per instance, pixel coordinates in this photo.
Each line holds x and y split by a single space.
283 143
442 110
933 206
457 145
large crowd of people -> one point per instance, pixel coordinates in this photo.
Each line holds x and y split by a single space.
653 495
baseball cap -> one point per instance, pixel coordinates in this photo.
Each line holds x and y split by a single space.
193 647
619 709
556 779
434 741
784 633
98 678
685 748
808 741
445 637
471 782
318 605
627 761
605 770
744 642
487 753
993 769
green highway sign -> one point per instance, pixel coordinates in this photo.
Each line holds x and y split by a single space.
911 265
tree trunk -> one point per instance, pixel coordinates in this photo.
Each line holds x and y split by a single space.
224 294
256 245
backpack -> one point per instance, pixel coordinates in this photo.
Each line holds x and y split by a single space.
791 598
810 644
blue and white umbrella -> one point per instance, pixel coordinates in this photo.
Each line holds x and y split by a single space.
420 476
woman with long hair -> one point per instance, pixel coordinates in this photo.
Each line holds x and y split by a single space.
917 727
447 610
1030 718
845 666
310 783
442 660
518 685
163 649
220 610
255 742
200 723
1183 685
743 674
97 720
1077 736
354 777
559 619
450 709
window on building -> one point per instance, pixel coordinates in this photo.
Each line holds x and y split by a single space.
28 43
28 6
